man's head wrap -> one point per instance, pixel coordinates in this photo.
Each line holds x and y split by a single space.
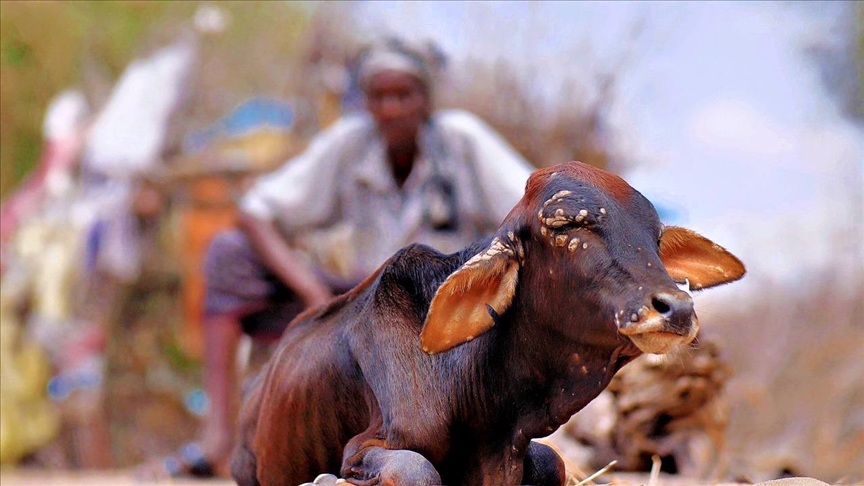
423 61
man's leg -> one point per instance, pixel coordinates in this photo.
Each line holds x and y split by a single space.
241 297
235 286
221 336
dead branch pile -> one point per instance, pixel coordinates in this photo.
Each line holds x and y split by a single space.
668 406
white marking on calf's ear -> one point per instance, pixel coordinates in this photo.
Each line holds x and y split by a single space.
685 286
460 310
689 256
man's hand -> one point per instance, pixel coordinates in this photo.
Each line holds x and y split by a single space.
283 261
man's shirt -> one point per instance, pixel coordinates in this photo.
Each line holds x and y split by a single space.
339 202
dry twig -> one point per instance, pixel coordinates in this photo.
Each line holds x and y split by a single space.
590 479
654 478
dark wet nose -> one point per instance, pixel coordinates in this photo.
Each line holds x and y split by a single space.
676 308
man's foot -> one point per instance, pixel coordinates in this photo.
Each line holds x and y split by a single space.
189 461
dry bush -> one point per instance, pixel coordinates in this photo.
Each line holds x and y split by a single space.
511 102
797 397
671 407
47 47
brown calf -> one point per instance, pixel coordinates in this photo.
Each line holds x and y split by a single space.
440 369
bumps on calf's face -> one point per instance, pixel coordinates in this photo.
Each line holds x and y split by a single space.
570 202
575 204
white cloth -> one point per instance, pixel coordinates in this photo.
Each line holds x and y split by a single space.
338 200
129 133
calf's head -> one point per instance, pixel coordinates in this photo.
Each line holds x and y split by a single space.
586 254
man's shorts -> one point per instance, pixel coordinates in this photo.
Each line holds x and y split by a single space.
238 283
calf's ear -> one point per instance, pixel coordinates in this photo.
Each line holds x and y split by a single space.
687 255
462 306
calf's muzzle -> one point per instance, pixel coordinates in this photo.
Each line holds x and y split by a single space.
666 320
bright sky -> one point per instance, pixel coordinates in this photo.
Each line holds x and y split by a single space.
720 109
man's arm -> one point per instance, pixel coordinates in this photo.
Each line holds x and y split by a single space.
300 195
282 260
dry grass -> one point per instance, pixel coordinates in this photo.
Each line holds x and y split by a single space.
797 395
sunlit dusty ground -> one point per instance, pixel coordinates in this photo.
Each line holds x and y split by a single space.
111 478
124 478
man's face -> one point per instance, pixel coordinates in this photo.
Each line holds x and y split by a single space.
399 104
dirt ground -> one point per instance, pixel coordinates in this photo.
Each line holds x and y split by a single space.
109 478
127 478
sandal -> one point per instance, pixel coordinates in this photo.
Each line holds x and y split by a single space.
188 462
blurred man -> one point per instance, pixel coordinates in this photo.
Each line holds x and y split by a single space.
369 185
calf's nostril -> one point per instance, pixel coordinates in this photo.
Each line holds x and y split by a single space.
661 306
677 306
